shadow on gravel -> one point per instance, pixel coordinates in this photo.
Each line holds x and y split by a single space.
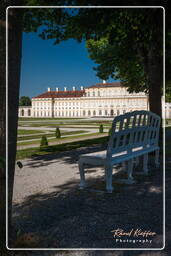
68 157
73 218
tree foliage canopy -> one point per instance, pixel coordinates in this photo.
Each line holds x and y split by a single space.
118 39
24 101
126 43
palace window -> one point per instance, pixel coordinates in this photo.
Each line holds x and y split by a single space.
111 112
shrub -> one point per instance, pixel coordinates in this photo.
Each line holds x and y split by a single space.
44 141
58 133
101 128
110 131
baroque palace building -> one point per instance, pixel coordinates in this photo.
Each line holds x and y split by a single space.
101 100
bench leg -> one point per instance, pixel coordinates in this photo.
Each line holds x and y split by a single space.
137 161
108 177
130 169
82 175
157 163
124 166
145 164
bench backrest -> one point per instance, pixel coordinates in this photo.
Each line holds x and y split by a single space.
132 130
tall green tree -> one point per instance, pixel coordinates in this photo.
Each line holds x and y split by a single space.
14 61
2 131
132 50
17 22
24 101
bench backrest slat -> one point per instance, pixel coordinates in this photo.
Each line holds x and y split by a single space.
133 129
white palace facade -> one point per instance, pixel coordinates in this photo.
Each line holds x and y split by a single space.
99 100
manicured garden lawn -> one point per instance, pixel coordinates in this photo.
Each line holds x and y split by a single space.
69 125
25 132
30 152
52 134
56 140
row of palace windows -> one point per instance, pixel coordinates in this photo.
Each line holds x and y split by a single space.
41 103
99 112
76 113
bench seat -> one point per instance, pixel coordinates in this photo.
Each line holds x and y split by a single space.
100 158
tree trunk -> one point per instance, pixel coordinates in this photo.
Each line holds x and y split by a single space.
14 63
155 63
155 81
14 60
2 130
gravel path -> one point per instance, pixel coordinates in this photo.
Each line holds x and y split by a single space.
49 205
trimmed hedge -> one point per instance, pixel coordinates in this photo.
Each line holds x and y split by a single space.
101 128
58 133
44 141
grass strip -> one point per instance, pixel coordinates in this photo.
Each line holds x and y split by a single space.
27 132
49 135
57 140
31 152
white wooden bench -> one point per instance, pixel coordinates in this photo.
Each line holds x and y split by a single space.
133 134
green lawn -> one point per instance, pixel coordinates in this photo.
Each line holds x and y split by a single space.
25 132
57 140
52 134
68 125
31 152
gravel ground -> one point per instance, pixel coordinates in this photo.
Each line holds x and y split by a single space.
49 207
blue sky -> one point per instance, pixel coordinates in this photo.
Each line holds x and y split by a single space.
46 65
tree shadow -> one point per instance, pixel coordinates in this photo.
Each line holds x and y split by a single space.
68 157
73 218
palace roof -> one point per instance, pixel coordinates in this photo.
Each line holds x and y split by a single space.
75 93
105 85
61 94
